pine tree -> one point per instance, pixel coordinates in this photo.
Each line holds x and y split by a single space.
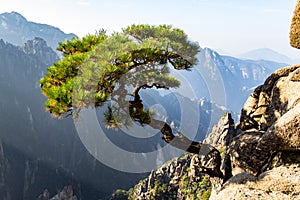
100 68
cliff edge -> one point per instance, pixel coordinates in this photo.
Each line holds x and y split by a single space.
260 155
264 157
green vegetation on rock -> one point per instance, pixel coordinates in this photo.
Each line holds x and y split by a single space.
174 180
195 189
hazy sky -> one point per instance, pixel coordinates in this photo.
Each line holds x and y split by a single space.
233 26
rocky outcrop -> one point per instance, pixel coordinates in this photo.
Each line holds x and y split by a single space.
269 122
170 182
65 194
273 99
183 178
222 133
260 155
169 173
264 156
279 183
39 50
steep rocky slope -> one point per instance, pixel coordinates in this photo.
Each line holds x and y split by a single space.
66 193
279 183
265 155
181 178
177 179
262 160
260 156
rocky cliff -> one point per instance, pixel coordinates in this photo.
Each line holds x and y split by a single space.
263 157
177 179
65 194
265 154
260 155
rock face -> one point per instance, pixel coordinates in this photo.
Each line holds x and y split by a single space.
182 178
279 183
269 122
269 102
222 133
65 194
38 49
265 154
170 173
178 179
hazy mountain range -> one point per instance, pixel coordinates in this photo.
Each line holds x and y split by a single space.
15 29
268 54
38 152
226 80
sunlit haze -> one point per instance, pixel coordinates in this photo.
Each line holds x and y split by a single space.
230 26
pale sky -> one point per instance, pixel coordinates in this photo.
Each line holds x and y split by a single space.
232 26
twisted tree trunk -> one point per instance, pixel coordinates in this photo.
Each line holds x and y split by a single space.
211 158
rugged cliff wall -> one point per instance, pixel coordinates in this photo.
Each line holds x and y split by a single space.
265 154
260 155
180 178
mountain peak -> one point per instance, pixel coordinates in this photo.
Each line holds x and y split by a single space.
16 29
212 53
13 15
265 54
38 47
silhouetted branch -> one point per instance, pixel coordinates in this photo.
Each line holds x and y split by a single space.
211 155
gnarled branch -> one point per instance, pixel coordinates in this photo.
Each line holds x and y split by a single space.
211 155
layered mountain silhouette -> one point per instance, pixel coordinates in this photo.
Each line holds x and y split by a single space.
267 54
226 80
15 29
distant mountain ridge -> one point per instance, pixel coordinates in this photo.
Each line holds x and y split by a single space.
266 54
227 80
15 29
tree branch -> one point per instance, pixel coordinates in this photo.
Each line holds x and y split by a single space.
179 141
212 156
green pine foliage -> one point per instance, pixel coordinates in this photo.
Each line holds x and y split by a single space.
101 67
58 83
195 189
162 191
295 28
